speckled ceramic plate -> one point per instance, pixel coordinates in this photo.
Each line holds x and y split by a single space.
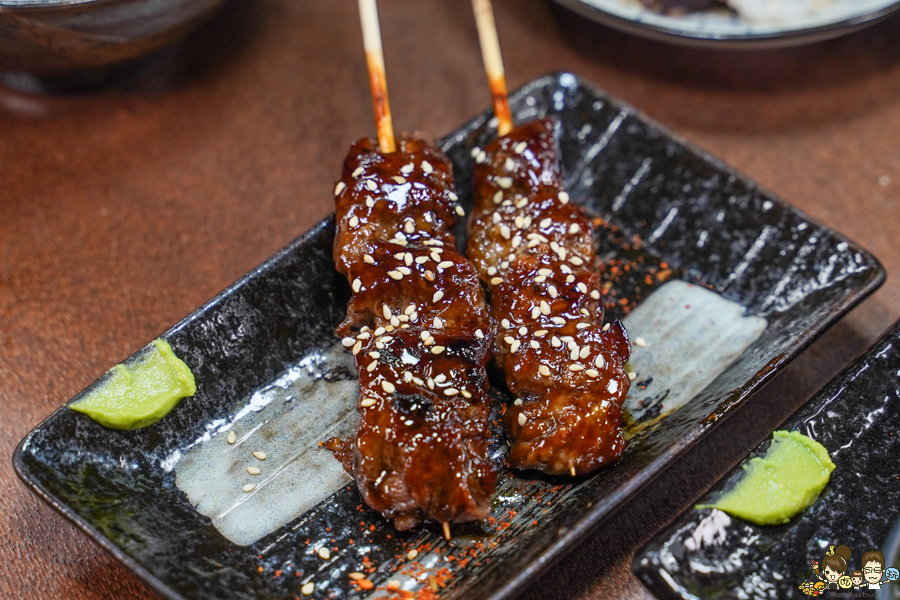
730 284
706 554
722 28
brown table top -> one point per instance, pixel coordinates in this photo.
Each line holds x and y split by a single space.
122 212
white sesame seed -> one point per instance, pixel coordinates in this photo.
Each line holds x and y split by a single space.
370 202
354 221
599 362
552 291
409 226
574 228
544 224
520 222
554 341
570 278
606 327
564 197
536 312
396 322
632 375
479 334
232 437
451 391
430 383
509 165
465 394
249 487
517 241
339 188
515 345
592 373
544 370
522 419
308 588
253 470
348 341
412 554
574 353
437 349
534 344
356 576
446 264
577 261
387 386
408 259
369 259
520 147
357 284
505 182
357 347
521 202
540 333
509 339
437 323
585 352
581 326
410 309
581 287
505 232
523 330
558 320
437 296
375 354
387 311
575 368
372 366
400 255
441 378
407 376
498 197
259 455
545 307
427 168
639 341
395 275
496 281
517 402
460 210
324 553
371 185
357 172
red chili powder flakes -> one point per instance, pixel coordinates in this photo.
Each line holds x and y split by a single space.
534 522
365 584
259 569
513 513
278 573
371 528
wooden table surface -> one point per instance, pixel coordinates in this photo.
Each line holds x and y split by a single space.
121 212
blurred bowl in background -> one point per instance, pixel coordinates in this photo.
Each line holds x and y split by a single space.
90 38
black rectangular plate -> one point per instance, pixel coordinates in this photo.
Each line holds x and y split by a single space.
708 223
855 416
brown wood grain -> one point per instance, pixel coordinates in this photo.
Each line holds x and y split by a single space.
121 212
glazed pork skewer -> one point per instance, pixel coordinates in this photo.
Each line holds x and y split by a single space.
534 251
417 324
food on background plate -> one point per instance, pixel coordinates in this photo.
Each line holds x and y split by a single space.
534 250
755 11
140 393
777 486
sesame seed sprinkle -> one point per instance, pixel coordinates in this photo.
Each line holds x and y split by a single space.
558 320
592 373
259 455
387 386
599 361
639 341
427 168
371 185
339 188
407 168
308 588
522 419
544 370
540 333
451 391
348 342
437 349
253 470
357 284
496 281
437 296
324 553
372 366
520 147
479 334
536 312
395 275
505 182
399 180
575 367
574 228
369 259
249 487
564 197
515 345
232 437
534 344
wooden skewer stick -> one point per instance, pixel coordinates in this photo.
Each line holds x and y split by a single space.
368 15
446 527
493 63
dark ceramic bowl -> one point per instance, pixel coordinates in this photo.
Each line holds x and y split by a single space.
57 37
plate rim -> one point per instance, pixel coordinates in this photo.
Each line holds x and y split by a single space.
607 506
759 41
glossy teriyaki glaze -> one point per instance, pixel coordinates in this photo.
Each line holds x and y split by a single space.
534 249
421 334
